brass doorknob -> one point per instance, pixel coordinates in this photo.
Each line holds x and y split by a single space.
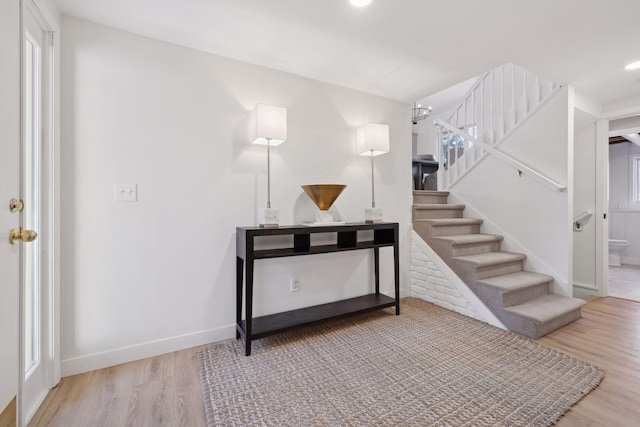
24 235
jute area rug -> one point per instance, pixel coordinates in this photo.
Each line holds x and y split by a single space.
428 366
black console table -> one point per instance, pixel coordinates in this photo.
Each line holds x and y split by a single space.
384 234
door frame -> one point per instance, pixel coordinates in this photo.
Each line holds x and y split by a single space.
50 230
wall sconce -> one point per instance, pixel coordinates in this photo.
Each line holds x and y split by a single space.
268 126
372 140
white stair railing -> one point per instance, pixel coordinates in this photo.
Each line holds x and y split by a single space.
489 149
491 110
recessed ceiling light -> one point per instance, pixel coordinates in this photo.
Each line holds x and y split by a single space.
360 3
633 66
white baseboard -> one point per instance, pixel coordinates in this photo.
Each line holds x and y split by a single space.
91 362
584 291
630 260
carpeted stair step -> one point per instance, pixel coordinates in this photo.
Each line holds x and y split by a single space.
542 315
520 299
429 197
490 264
514 288
465 244
428 228
437 210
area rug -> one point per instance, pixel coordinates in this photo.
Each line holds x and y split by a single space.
427 367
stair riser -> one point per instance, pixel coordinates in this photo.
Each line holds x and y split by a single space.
474 249
523 295
498 270
446 250
425 199
529 328
454 230
436 213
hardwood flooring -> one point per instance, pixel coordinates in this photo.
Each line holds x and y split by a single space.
608 336
158 391
8 415
165 390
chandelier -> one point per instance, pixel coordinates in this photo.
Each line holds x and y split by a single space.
419 113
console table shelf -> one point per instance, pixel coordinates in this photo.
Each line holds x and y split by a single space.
347 236
280 322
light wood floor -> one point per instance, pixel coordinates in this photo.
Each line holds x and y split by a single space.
165 390
159 391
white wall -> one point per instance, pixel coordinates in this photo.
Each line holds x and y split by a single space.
624 222
153 276
533 219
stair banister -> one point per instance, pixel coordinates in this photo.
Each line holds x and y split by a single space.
471 89
519 166
578 220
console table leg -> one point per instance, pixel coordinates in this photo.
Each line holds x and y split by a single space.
376 268
248 306
396 270
239 278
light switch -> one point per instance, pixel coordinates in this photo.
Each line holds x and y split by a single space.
126 192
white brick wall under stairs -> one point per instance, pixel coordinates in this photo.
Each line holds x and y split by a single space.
457 267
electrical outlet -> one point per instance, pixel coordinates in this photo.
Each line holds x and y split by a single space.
294 285
126 192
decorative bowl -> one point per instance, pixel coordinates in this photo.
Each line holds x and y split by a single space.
323 195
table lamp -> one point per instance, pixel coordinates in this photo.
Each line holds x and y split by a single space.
268 126
372 140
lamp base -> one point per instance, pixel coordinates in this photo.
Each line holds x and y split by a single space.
373 215
323 218
268 217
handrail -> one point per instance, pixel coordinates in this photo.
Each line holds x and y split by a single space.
583 215
518 165
578 224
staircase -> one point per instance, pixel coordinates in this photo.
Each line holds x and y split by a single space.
522 300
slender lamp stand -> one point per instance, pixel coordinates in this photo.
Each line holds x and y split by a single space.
372 140
268 126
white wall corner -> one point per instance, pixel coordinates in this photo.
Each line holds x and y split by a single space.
586 104
432 280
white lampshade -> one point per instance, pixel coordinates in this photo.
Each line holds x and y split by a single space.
372 139
267 122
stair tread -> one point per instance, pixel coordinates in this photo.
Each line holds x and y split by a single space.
546 307
491 258
436 206
465 239
516 281
435 222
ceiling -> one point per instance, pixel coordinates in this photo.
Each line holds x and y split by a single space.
400 49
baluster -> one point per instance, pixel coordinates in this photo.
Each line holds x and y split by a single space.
482 110
502 112
439 145
525 102
513 87
492 108
474 125
465 121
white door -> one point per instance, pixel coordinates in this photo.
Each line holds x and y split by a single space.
9 188
35 267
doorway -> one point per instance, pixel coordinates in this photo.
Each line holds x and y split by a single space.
624 208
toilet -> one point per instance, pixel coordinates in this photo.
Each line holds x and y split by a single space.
616 247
